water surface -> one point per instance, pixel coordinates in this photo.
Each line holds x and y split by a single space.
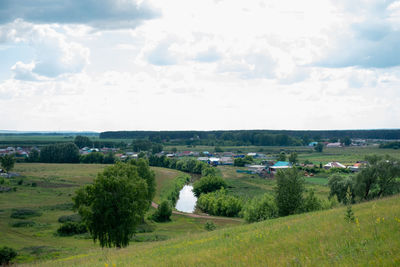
187 200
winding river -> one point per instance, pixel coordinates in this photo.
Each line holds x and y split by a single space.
187 200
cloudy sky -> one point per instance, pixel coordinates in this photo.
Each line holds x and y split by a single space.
211 64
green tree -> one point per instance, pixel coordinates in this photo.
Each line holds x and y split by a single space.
208 184
339 185
109 158
319 147
293 158
260 209
281 156
7 162
164 212
60 153
289 191
112 207
346 141
7 254
33 156
82 141
148 175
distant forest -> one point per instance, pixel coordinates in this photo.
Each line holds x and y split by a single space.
250 137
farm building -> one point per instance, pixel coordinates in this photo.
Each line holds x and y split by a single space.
333 164
280 165
337 144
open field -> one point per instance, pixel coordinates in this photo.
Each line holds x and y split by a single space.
312 239
51 193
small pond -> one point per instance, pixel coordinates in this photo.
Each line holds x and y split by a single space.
187 200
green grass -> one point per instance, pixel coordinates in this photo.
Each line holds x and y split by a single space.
52 196
312 239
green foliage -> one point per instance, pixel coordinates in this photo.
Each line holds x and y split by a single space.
346 141
319 147
71 228
209 171
171 192
260 209
70 218
7 254
82 141
378 178
218 149
312 203
147 174
208 184
7 162
281 156
25 213
289 191
393 145
349 216
210 226
220 204
339 185
156 148
163 213
34 156
141 145
241 162
93 157
115 203
109 158
293 158
60 153
23 224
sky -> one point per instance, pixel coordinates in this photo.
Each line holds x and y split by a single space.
101 65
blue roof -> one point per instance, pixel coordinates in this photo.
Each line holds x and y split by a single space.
282 163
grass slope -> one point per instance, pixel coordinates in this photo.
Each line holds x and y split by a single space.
312 239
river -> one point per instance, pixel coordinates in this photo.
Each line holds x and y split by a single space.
187 200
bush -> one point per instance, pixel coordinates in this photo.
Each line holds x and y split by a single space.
23 224
220 204
25 213
289 191
260 209
71 228
312 203
208 184
163 213
7 254
210 226
70 218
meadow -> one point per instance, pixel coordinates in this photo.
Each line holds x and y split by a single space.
48 189
312 239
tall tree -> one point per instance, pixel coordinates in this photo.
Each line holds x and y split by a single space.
319 147
7 162
293 158
82 141
289 191
114 204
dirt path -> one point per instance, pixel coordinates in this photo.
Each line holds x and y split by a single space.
192 215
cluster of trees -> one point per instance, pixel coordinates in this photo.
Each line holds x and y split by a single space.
207 184
220 203
7 162
68 153
186 165
60 153
394 145
378 178
84 141
139 145
241 162
250 137
116 202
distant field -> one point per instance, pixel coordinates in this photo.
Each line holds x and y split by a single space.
321 238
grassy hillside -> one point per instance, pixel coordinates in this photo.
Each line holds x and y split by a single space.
313 239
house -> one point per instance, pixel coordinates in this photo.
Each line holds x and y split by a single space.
256 168
333 164
357 166
203 159
252 154
279 166
313 144
213 161
337 144
226 161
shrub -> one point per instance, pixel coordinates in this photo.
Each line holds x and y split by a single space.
70 218
289 191
210 226
312 203
208 184
163 213
25 213
220 204
71 228
23 224
7 254
260 209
